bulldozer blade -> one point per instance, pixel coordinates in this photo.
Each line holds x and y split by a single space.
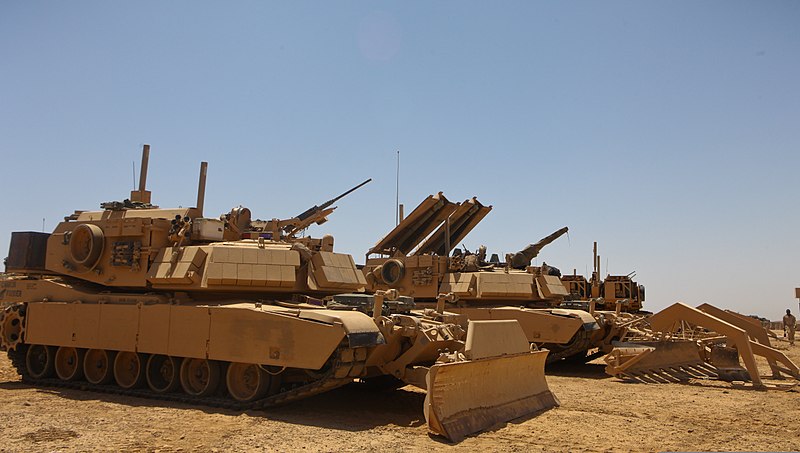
726 360
667 361
470 396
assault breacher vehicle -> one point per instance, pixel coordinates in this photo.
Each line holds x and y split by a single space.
606 293
415 259
237 312
675 345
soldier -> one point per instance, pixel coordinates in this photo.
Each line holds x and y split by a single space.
789 325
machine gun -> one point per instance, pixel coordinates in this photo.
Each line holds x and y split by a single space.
522 259
315 214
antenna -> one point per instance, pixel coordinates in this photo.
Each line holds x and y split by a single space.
397 193
133 169
42 224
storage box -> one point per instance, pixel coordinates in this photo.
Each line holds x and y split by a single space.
207 229
27 252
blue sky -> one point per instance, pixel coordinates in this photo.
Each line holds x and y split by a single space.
667 131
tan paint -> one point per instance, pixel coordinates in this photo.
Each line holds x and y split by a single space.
484 291
188 332
539 325
680 337
249 335
140 280
154 335
607 292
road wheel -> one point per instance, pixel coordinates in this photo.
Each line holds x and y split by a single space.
98 366
163 373
129 369
247 381
39 361
69 363
199 377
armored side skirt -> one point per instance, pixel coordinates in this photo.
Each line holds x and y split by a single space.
236 333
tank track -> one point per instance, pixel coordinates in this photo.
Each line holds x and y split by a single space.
327 382
580 343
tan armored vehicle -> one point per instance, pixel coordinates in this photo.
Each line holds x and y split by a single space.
237 312
676 345
415 259
606 293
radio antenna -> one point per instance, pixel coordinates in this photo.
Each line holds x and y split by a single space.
397 193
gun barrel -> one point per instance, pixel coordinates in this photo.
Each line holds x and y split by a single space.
523 257
548 239
330 202
310 211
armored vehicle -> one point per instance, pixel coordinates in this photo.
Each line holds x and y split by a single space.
242 313
606 293
415 259
677 344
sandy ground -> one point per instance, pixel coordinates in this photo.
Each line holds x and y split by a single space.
597 413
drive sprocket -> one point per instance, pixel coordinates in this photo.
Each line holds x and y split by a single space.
12 327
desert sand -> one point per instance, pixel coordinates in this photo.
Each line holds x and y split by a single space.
597 413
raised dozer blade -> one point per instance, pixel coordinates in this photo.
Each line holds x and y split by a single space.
500 380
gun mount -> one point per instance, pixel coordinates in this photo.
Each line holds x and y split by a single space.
523 258
317 214
288 228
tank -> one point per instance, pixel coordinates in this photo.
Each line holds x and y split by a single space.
608 293
242 313
415 259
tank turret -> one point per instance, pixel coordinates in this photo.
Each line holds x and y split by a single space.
135 244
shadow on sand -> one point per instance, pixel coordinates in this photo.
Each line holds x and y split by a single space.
348 408
577 369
